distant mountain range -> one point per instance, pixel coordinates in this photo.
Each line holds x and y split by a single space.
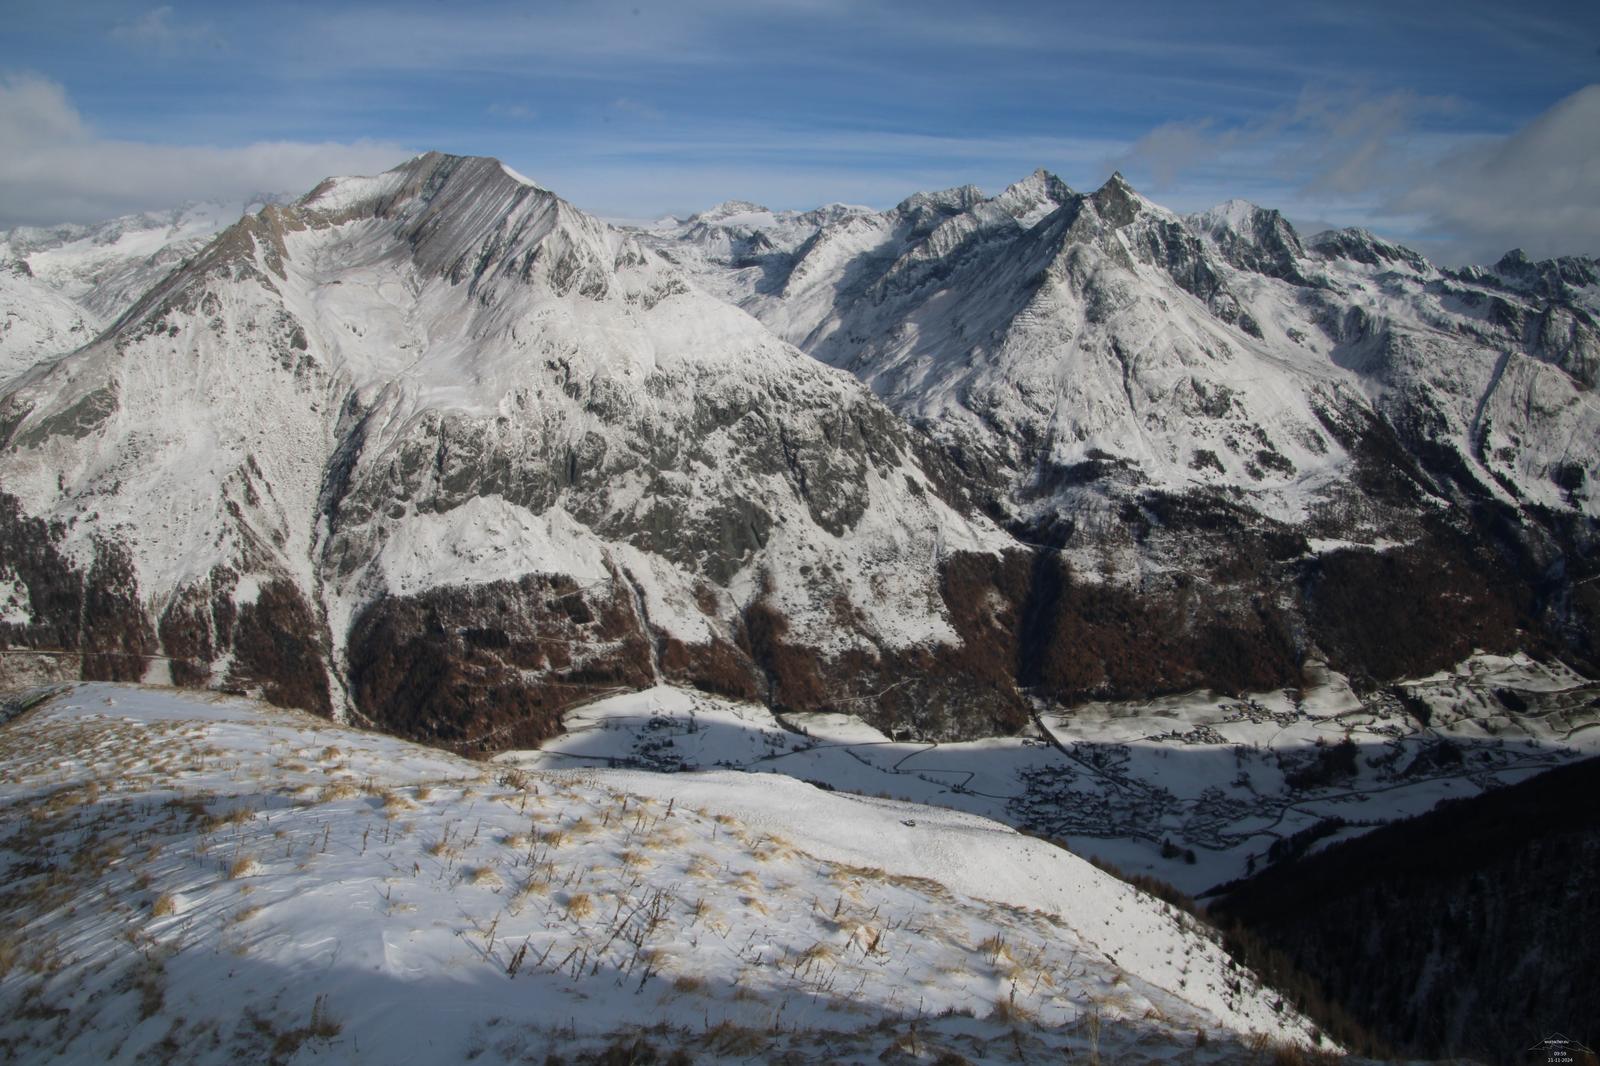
437 451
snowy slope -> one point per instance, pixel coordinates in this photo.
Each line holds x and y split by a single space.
36 322
1050 331
210 880
105 267
60 286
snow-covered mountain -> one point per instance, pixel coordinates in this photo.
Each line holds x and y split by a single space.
61 285
206 880
1246 446
439 449
36 322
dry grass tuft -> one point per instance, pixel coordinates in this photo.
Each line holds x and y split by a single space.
634 860
339 790
485 877
243 866
164 905
536 885
579 905
735 1041
1288 1053
394 803
1009 1012
995 948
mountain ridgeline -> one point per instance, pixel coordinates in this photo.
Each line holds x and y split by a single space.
437 451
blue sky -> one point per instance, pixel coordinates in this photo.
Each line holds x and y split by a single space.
1461 127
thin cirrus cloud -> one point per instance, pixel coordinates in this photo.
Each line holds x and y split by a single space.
1460 197
56 168
1363 112
161 30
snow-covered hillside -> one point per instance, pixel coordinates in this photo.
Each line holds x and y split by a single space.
106 266
36 322
209 880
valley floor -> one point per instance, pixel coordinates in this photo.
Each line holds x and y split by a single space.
1197 790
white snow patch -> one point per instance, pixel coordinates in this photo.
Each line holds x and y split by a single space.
487 539
16 605
521 179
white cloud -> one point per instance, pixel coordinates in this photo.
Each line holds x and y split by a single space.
54 168
157 30
1538 188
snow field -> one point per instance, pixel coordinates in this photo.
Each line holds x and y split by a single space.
202 879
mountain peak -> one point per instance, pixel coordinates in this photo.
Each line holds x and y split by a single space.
1363 246
1034 196
1116 201
1235 214
1253 238
1513 262
956 198
730 209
